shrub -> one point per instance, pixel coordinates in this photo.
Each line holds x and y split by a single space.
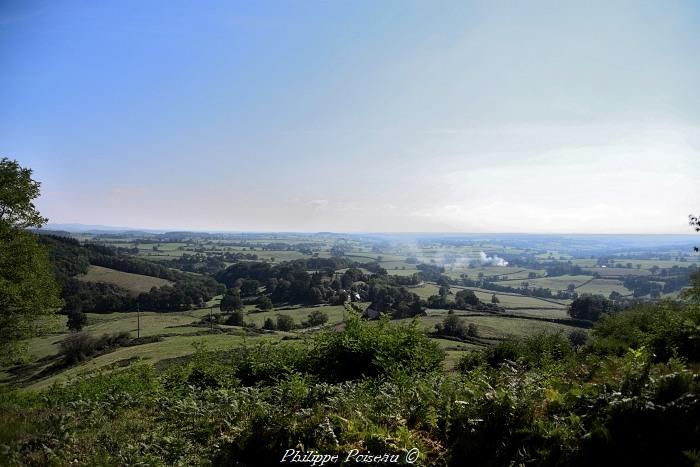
471 360
76 320
269 324
317 318
454 326
237 318
364 349
78 347
591 307
264 303
536 351
266 363
578 338
667 329
248 406
285 323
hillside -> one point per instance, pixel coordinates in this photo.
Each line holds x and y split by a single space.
135 283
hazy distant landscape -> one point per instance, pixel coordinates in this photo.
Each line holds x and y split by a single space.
533 278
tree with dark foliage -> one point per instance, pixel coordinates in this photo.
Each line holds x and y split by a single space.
284 323
231 301
28 288
591 307
76 320
317 318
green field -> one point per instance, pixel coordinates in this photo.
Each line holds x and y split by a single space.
506 300
603 287
618 272
497 327
169 347
515 301
553 283
177 331
136 283
299 314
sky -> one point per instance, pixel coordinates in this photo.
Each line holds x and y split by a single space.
357 116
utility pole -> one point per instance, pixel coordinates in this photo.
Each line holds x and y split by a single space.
138 320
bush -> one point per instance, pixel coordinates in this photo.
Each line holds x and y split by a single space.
264 303
591 307
76 320
317 318
454 326
578 338
363 349
269 324
237 318
534 352
471 360
285 323
80 346
667 329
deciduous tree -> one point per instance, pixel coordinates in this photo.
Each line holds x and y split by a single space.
28 290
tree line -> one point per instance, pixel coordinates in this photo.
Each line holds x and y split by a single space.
70 259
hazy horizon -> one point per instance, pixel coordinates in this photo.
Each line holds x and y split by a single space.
77 227
446 117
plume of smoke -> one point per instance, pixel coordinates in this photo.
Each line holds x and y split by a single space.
450 260
494 260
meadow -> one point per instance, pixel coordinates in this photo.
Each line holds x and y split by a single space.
136 283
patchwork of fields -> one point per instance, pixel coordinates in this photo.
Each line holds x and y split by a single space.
174 334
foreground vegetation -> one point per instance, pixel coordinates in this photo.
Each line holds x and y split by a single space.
628 396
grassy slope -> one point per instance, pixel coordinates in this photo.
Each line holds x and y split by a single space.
553 283
299 314
497 327
136 283
179 332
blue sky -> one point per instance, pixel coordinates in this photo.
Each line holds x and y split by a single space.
357 116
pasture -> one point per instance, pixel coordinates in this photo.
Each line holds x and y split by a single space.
177 333
603 287
617 272
154 352
552 283
135 283
299 314
495 327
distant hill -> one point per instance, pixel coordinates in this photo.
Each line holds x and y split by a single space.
94 228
